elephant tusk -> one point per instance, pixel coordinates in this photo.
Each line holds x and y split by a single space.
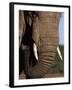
59 53
35 51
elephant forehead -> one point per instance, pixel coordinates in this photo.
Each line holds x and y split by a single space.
51 17
49 14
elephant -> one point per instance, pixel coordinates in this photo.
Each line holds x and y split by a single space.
44 35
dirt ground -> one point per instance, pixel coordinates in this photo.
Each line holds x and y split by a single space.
49 75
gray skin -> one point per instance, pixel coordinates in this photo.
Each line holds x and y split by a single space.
46 38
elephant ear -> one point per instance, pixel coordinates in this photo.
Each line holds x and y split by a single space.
21 26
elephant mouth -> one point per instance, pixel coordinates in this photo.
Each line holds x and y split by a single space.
35 54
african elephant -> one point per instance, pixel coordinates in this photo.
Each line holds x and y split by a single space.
45 35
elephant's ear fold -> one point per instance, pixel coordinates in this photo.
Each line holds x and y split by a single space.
36 33
21 26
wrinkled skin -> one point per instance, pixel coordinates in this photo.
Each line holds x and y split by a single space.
45 36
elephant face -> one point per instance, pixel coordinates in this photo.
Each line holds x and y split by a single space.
45 36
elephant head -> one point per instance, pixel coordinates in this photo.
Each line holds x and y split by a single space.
45 35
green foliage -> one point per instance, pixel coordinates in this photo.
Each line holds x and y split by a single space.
58 66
